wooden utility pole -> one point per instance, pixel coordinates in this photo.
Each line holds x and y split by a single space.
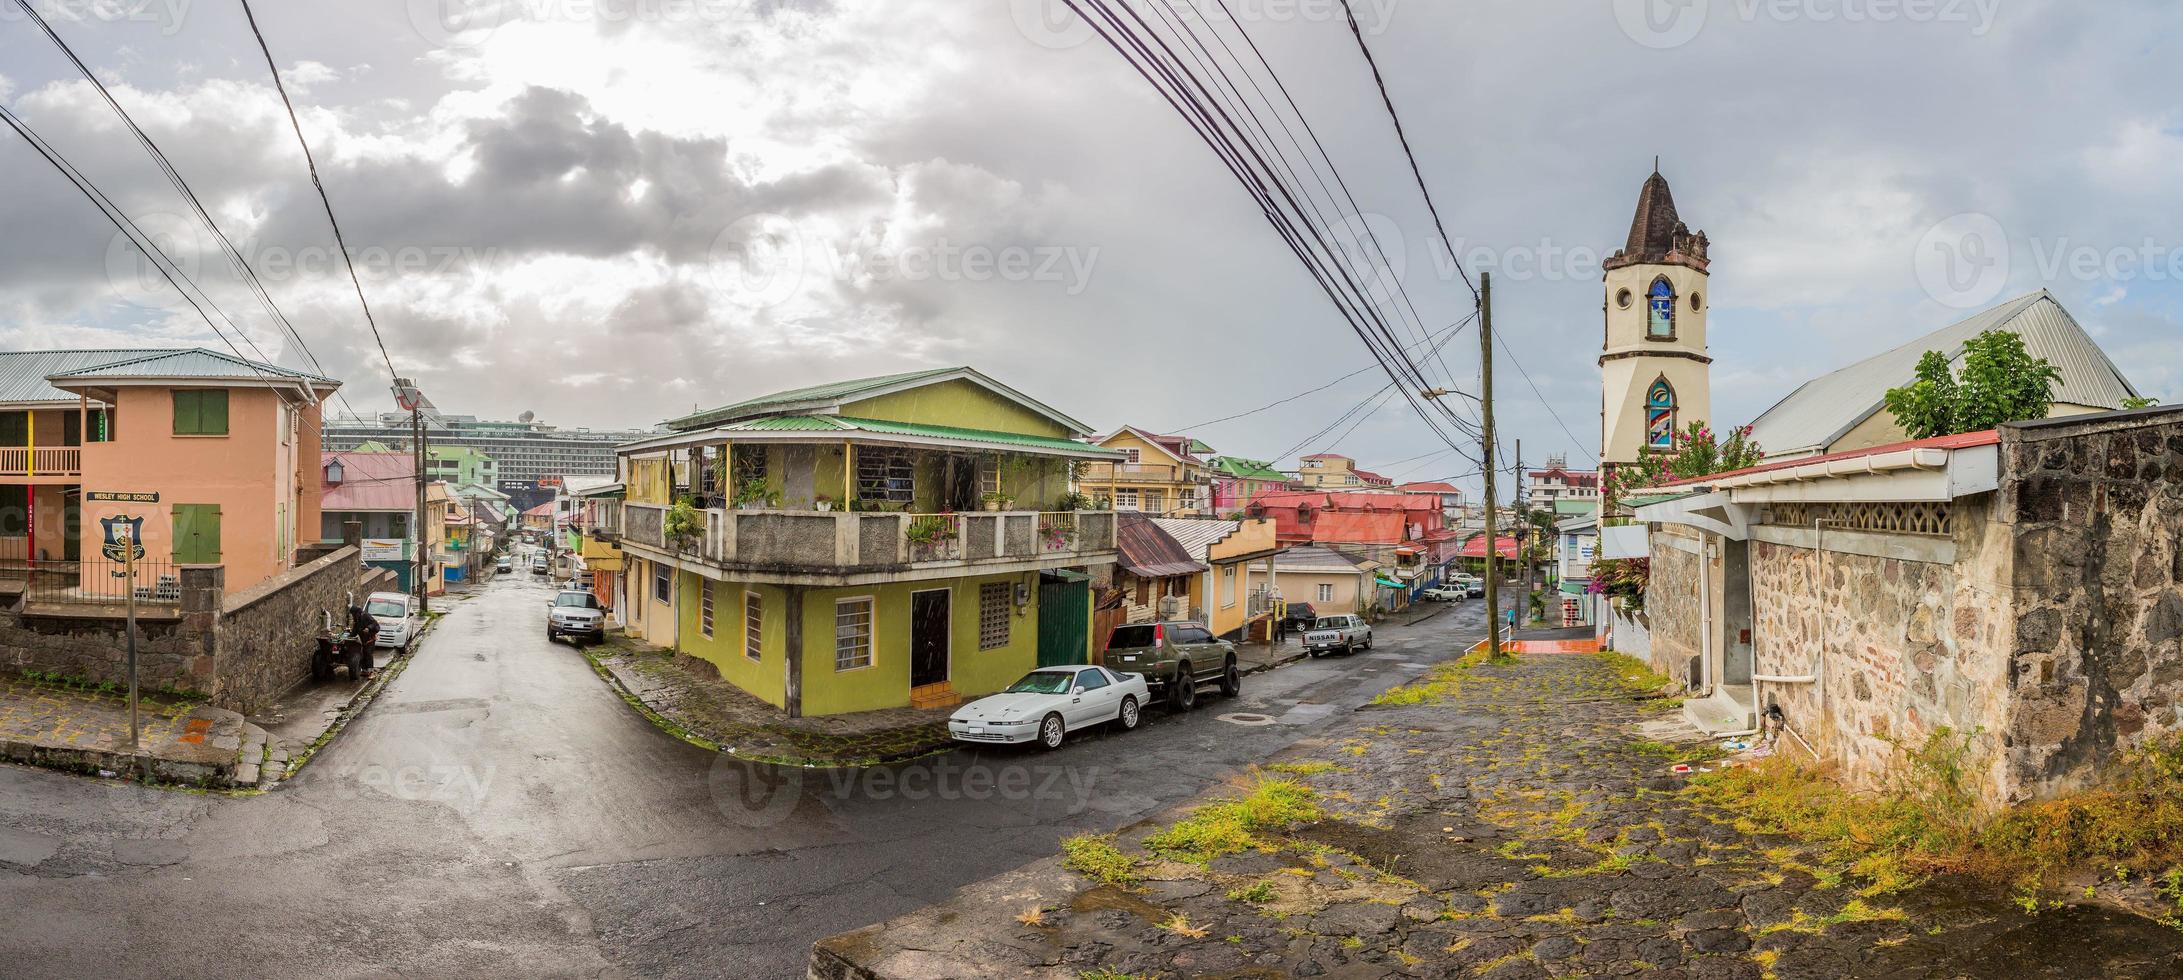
1524 557
1485 400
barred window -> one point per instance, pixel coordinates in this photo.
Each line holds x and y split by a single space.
663 583
993 617
754 625
885 474
705 607
853 633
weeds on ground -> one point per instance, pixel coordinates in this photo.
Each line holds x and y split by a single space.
1258 894
1306 768
1234 826
1930 819
1633 673
1439 685
1094 856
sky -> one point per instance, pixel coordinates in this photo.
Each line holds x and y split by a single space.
610 212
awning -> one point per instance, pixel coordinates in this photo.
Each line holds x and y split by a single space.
1388 582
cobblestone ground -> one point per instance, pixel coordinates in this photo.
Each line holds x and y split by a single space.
1521 824
36 713
690 696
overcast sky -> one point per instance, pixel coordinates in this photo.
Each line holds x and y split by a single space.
610 212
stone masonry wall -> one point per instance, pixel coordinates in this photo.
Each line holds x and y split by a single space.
1672 605
267 634
95 648
2097 509
1901 647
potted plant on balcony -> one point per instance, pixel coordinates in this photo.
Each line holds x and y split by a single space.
928 533
683 524
823 502
998 501
753 494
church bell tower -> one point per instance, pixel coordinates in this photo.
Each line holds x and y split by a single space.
1655 373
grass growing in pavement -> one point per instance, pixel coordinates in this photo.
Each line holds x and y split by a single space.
1094 856
1306 768
1634 674
1930 820
1439 685
1234 826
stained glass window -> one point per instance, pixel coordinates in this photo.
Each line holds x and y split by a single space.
1660 302
1660 416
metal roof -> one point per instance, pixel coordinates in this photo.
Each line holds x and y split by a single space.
792 425
195 362
830 397
1313 558
371 482
1147 551
1197 536
1245 469
23 374
1826 408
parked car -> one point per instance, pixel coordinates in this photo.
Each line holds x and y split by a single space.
1050 702
1175 658
1444 593
575 614
504 565
396 613
1345 633
538 565
1301 616
1472 585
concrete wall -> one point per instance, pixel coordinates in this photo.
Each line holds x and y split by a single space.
2096 508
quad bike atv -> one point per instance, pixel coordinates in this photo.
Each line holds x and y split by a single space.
346 649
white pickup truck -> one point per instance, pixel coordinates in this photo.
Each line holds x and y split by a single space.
1345 633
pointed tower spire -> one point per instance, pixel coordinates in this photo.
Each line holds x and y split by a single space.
1657 234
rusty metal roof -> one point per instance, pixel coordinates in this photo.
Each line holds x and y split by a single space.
1146 551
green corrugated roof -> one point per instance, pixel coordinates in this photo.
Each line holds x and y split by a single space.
1566 507
985 437
833 392
1245 469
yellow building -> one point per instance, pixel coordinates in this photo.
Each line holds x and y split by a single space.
1330 471
1162 476
1222 596
879 543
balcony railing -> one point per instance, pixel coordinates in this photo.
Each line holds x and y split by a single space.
1138 473
848 541
20 461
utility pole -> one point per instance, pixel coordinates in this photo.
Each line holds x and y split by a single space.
1485 386
1523 531
406 395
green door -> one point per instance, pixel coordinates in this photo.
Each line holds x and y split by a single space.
1064 620
197 534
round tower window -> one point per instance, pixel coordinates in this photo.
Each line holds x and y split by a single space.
1623 299
1697 302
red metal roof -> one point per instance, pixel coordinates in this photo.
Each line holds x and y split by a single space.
1429 488
1389 528
1147 551
542 510
1967 440
1476 547
371 482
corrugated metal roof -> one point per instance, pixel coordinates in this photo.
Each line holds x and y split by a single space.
1313 558
830 397
1245 469
195 362
371 482
1376 528
1197 536
1147 551
1812 417
23 373
970 438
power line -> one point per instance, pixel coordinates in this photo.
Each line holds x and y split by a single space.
1454 329
1549 405
1381 82
160 261
234 257
312 164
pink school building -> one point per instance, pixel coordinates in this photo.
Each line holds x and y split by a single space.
230 446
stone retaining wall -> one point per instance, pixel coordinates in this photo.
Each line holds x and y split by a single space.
1672 605
241 650
2096 509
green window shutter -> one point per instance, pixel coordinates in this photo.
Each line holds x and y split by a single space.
200 412
185 413
196 534
215 415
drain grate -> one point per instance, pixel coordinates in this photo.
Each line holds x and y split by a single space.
1247 720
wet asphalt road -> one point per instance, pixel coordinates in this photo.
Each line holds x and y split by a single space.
500 812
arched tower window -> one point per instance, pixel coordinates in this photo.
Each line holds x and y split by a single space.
1660 306
1660 416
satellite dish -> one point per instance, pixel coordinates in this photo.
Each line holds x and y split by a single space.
527 417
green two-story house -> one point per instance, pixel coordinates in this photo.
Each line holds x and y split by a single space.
908 540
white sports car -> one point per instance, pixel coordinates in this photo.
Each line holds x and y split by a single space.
1050 702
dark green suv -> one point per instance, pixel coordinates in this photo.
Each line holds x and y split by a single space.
1164 652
